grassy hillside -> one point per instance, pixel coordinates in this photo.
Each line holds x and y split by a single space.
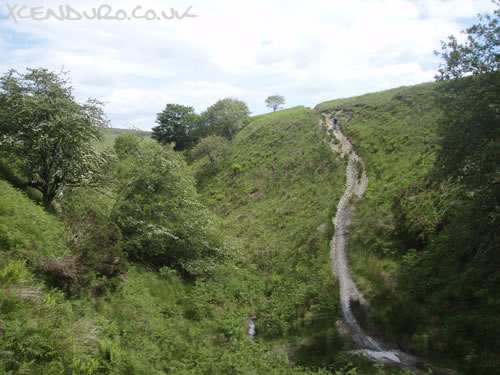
110 134
417 241
274 209
273 189
154 323
276 194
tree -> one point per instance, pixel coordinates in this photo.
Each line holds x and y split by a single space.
49 137
225 117
215 148
176 124
274 102
126 144
478 55
469 98
158 212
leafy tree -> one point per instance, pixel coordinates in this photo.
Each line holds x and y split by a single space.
452 218
158 212
126 144
46 134
478 55
469 97
275 101
225 117
215 148
176 124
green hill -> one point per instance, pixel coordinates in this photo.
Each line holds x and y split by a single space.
419 250
110 134
421 245
158 322
276 194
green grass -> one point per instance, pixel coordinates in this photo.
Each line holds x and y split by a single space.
277 208
395 133
282 201
110 134
153 323
274 196
26 231
423 310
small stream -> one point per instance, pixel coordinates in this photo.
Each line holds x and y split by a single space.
251 328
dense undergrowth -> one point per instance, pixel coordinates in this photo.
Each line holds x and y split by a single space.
71 302
141 274
276 194
422 243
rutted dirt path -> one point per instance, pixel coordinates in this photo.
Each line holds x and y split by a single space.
356 186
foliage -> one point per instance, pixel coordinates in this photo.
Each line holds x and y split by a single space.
81 253
225 118
126 144
176 124
94 240
478 55
213 148
46 134
26 231
468 131
274 102
469 128
279 223
39 331
159 214
422 240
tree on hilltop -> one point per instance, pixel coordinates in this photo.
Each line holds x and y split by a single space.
225 118
274 102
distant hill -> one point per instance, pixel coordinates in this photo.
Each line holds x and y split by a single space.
110 135
138 132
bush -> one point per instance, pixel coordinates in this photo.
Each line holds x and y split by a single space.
126 144
162 222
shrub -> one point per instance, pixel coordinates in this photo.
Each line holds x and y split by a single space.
162 222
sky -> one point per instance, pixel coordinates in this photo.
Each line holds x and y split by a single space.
307 51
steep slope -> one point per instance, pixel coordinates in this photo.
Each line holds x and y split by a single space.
415 257
281 196
154 323
276 194
356 185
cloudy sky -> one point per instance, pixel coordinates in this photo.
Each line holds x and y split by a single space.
308 51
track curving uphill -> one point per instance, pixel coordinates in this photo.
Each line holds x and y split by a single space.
356 185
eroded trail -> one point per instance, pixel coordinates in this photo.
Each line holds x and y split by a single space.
356 184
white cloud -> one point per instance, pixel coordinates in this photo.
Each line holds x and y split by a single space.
308 51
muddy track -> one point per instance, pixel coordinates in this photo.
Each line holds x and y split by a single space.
356 185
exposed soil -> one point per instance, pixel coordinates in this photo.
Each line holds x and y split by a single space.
356 186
